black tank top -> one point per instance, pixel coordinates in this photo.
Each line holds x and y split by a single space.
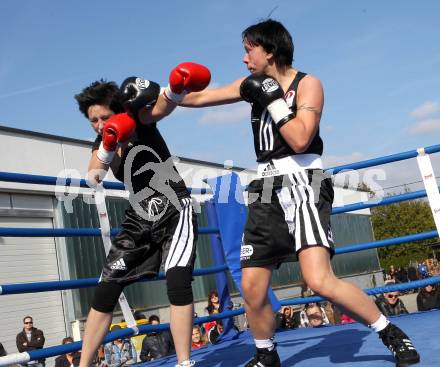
268 141
151 163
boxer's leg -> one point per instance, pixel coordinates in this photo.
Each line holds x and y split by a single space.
178 256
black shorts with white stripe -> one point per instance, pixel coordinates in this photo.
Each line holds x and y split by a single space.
143 247
287 214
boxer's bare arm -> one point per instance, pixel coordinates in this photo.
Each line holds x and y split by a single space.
98 170
162 108
185 79
226 94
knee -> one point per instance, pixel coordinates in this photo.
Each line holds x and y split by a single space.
106 296
254 295
322 284
179 287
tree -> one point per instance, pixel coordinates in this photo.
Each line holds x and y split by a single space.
400 219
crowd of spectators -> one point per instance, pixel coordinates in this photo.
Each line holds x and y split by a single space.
122 352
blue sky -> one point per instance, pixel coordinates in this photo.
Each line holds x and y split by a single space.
379 62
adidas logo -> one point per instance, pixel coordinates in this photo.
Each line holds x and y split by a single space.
270 170
118 265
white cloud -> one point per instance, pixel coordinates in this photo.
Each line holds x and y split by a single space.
428 126
226 114
427 109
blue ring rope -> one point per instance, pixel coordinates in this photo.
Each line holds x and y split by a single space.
58 285
143 329
90 282
370 291
383 160
386 242
89 232
76 182
380 202
51 180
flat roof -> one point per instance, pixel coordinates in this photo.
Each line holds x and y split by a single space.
88 142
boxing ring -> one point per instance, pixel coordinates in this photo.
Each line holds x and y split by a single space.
342 345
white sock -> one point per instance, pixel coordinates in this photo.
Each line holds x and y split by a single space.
264 344
380 324
188 363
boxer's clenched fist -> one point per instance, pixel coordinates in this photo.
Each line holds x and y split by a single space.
185 78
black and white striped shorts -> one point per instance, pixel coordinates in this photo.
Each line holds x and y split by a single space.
146 247
287 214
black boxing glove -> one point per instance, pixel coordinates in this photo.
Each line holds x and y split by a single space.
137 93
267 92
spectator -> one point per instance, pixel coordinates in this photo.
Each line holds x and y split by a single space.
402 275
412 273
333 315
392 272
138 315
157 344
345 319
99 359
119 352
68 359
428 298
422 269
390 304
215 332
2 350
213 303
197 338
315 315
29 339
306 291
284 319
305 322
212 308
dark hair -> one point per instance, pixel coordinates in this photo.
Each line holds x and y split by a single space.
67 339
313 305
153 318
274 38
100 92
210 308
138 315
27 317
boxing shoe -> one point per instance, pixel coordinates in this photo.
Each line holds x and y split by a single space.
265 358
400 345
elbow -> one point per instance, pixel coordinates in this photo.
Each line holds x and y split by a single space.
300 146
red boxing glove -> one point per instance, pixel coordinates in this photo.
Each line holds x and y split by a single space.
186 77
118 129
